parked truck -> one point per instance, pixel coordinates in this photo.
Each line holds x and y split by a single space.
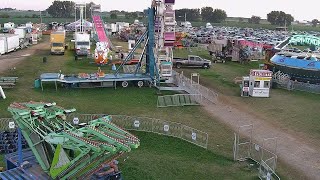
57 40
191 61
10 41
82 44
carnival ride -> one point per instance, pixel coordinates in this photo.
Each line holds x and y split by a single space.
103 43
180 36
156 57
300 66
61 150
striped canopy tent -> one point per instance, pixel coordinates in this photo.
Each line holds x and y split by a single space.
74 25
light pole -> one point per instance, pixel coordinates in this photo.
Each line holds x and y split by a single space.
40 17
185 18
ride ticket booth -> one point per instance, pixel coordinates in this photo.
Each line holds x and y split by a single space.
258 84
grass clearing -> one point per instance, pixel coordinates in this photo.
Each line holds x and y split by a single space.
157 154
133 102
161 157
293 111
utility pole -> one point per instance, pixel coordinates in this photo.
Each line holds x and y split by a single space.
185 17
40 17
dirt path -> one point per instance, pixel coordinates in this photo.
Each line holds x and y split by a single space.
10 60
290 149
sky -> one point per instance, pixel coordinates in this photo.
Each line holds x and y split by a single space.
300 10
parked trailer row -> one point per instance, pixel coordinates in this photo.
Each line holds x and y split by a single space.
8 43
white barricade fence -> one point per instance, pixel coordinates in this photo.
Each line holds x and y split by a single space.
146 124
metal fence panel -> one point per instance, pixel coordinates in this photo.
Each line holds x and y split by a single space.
256 152
266 173
133 123
193 87
194 136
167 128
7 124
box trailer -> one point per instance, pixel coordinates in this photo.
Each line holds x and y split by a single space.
57 40
11 42
82 43
21 32
2 47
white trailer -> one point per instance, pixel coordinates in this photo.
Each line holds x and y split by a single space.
114 28
21 32
2 47
11 42
82 43
35 38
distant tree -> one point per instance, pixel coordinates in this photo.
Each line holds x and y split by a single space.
219 16
189 14
241 19
134 15
207 13
115 12
26 16
4 15
35 16
88 9
61 9
315 22
289 19
129 15
113 16
255 20
279 18
273 16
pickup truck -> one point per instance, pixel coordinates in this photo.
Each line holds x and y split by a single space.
194 61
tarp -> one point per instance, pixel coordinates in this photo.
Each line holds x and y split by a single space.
71 27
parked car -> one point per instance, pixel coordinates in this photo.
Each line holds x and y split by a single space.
191 61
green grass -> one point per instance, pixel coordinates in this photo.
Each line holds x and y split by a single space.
134 102
292 111
161 157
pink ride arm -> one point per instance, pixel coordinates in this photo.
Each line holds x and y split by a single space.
100 30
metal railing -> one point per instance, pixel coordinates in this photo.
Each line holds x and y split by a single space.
193 87
244 148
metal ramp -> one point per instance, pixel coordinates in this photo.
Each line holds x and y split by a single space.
15 173
32 172
179 100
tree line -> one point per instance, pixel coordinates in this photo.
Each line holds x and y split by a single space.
66 9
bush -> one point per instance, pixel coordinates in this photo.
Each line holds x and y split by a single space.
4 16
113 16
